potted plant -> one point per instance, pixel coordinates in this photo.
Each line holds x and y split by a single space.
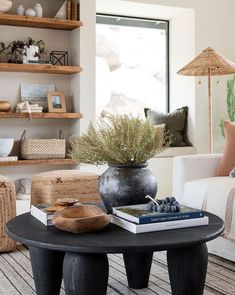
2 50
31 49
125 144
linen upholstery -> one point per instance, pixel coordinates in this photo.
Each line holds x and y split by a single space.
176 123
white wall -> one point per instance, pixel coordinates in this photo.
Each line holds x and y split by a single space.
214 27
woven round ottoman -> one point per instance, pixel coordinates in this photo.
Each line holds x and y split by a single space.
7 212
47 187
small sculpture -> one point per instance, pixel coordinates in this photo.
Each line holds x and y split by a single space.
59 57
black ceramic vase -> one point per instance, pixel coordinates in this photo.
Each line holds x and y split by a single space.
126 184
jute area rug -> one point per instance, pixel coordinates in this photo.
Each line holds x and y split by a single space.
16 276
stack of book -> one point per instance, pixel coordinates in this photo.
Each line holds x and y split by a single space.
8 158
139 219
39 212
72 10
34 108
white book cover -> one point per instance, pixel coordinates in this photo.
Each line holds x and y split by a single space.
166 225
39 210
40 218
9 158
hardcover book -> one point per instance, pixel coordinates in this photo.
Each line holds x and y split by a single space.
140 214
158 226
38 211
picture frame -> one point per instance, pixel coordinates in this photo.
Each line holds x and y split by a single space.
56 102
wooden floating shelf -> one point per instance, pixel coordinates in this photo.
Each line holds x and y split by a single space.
38 22
38 162
39 68
12 115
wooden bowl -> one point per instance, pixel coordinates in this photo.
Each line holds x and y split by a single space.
5 106
81 219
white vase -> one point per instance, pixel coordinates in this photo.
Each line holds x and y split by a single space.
30 12
38 9
20 10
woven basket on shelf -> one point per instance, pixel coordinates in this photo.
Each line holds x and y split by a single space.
35 149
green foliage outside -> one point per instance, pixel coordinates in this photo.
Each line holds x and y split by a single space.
122 139
230 104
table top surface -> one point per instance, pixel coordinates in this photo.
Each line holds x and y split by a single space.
113 239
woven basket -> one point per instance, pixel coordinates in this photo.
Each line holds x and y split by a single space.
35 149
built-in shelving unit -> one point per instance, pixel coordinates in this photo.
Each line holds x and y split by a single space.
12 115
43 23
38 22
39 68
37 162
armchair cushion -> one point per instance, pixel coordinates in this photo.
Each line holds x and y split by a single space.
228 160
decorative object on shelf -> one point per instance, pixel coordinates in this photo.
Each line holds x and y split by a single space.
208 63
59 58
5 5
18 50
81 219
56 102
20 10
36 93
230 104
38 9
40 148
125 144
6 145
24 187
2 51
30 12
5 106
61 14
72 10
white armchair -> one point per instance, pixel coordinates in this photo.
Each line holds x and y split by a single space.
195 184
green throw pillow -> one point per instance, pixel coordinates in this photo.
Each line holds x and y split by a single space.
176 123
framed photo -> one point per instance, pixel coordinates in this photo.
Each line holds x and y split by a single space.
56 102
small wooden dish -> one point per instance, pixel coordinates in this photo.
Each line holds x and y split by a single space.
81 219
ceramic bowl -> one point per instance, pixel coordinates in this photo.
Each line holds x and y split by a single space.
81 219
6 145
5 5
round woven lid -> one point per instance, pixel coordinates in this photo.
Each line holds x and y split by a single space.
208 59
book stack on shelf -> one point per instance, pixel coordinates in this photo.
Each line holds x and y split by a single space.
33 108
72 10
140 219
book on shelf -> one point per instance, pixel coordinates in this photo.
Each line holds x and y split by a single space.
68 9
141 214
158 226
38 211
8 158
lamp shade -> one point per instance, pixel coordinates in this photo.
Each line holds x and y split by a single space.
208 59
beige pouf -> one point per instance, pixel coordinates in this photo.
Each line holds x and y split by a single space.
47 187
7 212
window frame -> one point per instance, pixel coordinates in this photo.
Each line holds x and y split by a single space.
130 21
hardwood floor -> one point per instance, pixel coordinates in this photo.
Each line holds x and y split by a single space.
16 276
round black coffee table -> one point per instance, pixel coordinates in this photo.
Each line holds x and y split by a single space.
83 263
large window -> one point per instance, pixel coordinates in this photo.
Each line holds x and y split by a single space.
131 65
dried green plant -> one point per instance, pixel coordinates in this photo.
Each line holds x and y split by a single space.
122 139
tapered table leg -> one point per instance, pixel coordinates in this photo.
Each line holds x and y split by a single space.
187 269
138 266
85 274
47 268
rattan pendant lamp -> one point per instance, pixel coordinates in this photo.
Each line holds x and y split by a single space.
208 63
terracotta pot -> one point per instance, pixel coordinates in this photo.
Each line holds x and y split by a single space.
5 106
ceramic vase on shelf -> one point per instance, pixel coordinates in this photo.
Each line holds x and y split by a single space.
20 10
38 9
126 184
